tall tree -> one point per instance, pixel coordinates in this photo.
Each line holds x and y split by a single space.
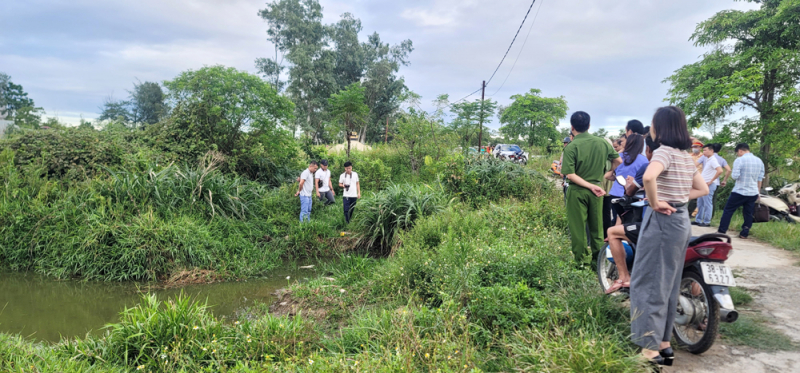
533 118
325 59
601 132
17 106
116 110
755 64
147 102
349 109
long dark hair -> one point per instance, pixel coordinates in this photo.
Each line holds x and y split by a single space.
633 147
671 129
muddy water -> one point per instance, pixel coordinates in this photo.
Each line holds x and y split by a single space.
44 309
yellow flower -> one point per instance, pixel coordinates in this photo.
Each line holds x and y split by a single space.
196 327
140 367
427 355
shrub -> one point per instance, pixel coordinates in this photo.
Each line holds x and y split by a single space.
182 334
380 216
481 180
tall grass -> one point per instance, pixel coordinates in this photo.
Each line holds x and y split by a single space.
380 216
145 223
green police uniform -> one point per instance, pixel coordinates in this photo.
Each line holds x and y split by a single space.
586 156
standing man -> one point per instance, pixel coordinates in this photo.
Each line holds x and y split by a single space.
722 162
585 166
323 184
305 190
352 189
711 172
748 172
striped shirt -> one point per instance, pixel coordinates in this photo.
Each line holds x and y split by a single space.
675 182
748 170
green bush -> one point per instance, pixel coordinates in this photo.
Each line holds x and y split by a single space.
481 180
381 215
181 334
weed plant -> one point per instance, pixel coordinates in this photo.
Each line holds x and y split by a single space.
381 215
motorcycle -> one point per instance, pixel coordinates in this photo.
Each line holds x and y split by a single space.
779 210
790 194
704 299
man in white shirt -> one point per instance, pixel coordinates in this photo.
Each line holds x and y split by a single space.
352 189
322 182
711 172
305 190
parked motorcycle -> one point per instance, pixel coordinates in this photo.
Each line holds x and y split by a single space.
704 299
779 210
791 196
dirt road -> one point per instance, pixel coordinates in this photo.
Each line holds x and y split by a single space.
773 279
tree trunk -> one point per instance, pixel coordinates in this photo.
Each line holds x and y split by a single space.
767 117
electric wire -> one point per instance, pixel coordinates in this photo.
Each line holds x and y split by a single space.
512 42
520 49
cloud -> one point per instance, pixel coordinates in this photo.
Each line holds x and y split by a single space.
608 58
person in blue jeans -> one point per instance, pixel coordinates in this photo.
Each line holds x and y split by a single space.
306 190
711 171
748 172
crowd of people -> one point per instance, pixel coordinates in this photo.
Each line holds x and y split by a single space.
316 180
655 159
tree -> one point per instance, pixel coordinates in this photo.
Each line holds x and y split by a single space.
416 132
115 110
601 132
223 103
147 103
349 109
533 117
755 64
325 59
15 105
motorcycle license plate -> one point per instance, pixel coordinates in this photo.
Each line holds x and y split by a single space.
717 274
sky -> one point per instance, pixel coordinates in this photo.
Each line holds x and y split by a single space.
606 57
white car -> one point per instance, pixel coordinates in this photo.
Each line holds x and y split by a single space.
510 152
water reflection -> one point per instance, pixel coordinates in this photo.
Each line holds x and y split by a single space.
45 309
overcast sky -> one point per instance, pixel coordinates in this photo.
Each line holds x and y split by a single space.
606 57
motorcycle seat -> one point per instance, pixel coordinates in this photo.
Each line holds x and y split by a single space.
696 240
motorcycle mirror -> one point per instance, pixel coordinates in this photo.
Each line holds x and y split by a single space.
621 180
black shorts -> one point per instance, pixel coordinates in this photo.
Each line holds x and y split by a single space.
632 231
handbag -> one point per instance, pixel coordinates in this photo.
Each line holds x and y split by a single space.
761 213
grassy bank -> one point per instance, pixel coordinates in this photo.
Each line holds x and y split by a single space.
479 279
779 234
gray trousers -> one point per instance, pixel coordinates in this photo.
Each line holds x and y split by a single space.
327 197
656 276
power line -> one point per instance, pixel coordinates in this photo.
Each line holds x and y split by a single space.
465 97
512 42
520 49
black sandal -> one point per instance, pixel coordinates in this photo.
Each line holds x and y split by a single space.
668 355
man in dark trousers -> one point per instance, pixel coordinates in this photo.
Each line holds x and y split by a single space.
585 166
748 172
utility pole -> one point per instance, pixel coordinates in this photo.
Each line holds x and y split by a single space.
480 135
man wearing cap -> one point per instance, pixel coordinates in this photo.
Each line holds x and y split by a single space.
323 184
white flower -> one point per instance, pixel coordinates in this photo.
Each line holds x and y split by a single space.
310 362
341 291
288 277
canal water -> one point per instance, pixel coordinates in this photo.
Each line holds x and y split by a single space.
44 309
